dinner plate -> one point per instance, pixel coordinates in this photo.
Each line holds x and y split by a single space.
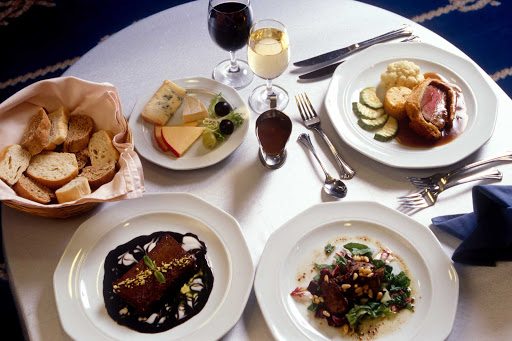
292 247
364 70
78 279
197 156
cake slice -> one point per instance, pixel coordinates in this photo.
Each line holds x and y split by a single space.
164 103
193 110
79 131
142 289
14 160
59 127
179 139
32 190
37 132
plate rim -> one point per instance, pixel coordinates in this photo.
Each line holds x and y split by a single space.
183 165
229 232
485 99
321 214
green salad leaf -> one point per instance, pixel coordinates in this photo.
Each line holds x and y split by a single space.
329 248
372 310
213 102
359 249
340 260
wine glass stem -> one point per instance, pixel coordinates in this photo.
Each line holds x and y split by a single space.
234 65
269 89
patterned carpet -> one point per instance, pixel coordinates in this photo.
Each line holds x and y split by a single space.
41 39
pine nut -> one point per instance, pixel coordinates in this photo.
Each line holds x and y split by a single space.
326 313
346 286
345 329
317 301
315 296
379 295
364 300
370 293
370 274
326 278
355 276
358 290
321 299
366 259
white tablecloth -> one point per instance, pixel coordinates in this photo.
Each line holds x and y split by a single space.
175 44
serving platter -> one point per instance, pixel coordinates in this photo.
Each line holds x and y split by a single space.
290 247
197 156
364 70
78 278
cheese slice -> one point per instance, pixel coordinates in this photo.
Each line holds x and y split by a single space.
179 139
164 103
160 140
193 110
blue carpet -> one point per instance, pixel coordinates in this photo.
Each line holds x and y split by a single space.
41 39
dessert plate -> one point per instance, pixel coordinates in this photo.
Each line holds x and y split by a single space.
197 156
78 279
292 247
364 70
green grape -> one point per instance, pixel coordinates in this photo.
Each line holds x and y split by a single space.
209 140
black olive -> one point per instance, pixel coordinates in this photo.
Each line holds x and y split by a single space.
226 127
222 109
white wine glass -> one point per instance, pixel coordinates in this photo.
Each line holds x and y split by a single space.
229 23
268 54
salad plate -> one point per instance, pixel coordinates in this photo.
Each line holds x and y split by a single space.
293 246
78 278
197 156
364 70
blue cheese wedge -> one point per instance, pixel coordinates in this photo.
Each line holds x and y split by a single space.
164 103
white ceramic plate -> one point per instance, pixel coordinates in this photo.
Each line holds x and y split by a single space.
78 279
365 68
291 246
197 156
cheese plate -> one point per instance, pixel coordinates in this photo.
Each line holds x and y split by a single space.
197 156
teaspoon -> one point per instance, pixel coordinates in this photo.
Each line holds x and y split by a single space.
332 186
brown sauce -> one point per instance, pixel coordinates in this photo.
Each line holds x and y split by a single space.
408 137
273 130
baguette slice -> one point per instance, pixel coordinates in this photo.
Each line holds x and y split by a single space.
32 190
14 160
100 174
79 132
73 190
82 158
101 149
37 132
164 103
53 169
59 128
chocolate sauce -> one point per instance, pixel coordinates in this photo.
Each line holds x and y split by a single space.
175 307
273 129
410 138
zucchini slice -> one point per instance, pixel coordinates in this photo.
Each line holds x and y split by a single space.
372 124
369 98
363 111
388 131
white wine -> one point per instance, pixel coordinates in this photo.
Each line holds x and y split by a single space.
268 52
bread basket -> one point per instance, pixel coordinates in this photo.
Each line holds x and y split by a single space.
98 100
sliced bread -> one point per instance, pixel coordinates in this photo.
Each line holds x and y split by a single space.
59 128
100 174
32 190
79 132
101 149
14 160
73 190
53 169
82 158
164 103
37 132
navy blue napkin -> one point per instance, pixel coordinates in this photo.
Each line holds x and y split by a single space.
487 232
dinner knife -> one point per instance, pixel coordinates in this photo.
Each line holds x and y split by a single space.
402 31
329 69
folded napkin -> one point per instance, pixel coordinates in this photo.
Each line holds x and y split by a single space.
487 232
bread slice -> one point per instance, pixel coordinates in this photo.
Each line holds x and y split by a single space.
100 174
164 103
101 149
79 132
73 190
59 128
32 190
14 160
82 158
37 132
53 169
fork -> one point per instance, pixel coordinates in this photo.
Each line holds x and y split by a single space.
442 178
428 196
312 121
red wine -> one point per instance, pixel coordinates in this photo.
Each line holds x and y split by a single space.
229 24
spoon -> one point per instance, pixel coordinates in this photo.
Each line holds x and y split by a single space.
332 186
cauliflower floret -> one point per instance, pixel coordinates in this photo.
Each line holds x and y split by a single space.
402 73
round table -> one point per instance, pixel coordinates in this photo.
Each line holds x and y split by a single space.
175 44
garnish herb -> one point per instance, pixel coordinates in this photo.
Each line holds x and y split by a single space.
150 264
329 248
358 249
312 306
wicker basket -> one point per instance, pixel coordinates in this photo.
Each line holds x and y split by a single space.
66 211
